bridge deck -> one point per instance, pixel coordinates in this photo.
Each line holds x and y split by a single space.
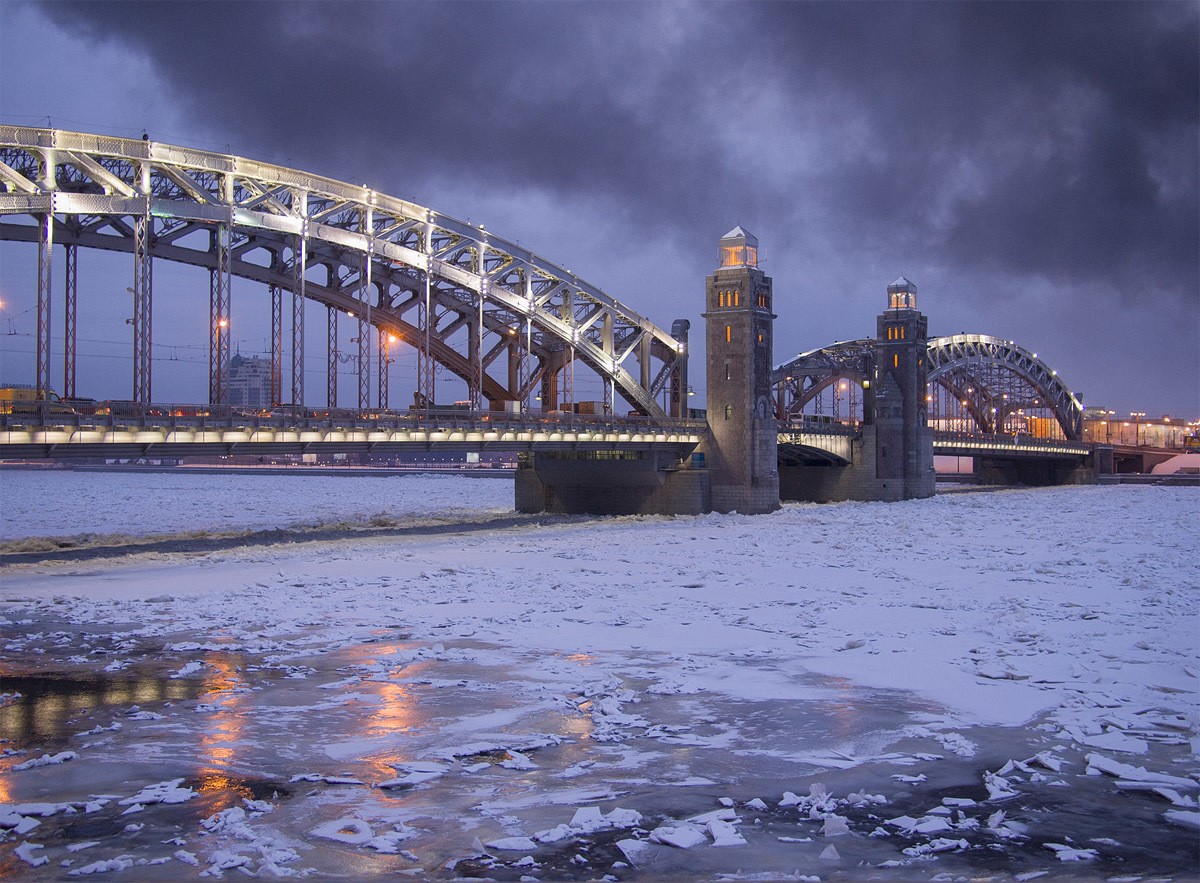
160 431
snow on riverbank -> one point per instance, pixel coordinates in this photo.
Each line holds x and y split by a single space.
65 503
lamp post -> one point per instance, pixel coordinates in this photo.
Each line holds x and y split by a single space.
1137 427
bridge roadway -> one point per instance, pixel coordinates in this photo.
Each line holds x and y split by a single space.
48 430
207 430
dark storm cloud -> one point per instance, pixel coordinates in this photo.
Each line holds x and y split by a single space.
1077 123
1052 140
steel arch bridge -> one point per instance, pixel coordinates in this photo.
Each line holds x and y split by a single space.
505 320
977 383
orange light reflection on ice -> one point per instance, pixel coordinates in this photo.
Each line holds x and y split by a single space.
217 753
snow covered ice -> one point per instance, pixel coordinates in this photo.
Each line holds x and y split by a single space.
997 684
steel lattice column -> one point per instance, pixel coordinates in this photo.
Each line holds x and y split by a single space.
524 384
70 333
477 345
276 344
425 377
384 360
364 329
45 250
299 268
219 331
332 357
141 309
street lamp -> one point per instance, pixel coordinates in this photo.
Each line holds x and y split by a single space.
1137 427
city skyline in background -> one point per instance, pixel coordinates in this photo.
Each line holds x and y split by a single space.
910 144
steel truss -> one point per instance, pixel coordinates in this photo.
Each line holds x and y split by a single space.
460 291
977 383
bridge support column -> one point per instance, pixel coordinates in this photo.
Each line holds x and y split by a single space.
299 269
70 330
45 252
741 451
611 483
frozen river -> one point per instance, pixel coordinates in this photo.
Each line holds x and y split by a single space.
1002 685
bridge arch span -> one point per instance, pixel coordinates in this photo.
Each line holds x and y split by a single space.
994 377
992 385
398 266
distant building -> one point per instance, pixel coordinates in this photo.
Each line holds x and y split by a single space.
250 381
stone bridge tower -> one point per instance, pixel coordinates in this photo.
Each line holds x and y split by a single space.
903 444
741 453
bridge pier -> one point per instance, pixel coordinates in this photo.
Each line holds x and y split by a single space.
611 483
892 459
864 478
1042 471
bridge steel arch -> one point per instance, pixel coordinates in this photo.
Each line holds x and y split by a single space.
964 364
396 266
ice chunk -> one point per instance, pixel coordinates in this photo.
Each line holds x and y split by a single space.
623 818
190 669
512 844
120 863
724 814
958 801
555 834
187 858
588 819
163 792
408 781
1183 817
1047 760
1111 767
25 852
1114 740
355 832
931 825
46 760
830 854
636 852
388 843
998 787
756 804
517 761
724 834
835 826
681 837
1072 854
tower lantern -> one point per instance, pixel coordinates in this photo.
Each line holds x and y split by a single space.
739 249
902 295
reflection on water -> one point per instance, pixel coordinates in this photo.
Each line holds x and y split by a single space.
48 701
220 739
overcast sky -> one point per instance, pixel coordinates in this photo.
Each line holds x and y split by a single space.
1033 167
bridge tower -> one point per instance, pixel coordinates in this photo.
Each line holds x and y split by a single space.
903 443
741 452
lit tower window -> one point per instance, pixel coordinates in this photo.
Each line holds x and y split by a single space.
902 295
739 249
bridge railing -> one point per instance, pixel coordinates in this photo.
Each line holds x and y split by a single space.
1001 441
820 424
127 414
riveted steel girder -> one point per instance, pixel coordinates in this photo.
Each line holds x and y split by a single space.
497 284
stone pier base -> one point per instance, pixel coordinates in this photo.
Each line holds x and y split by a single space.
611 483
827 482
